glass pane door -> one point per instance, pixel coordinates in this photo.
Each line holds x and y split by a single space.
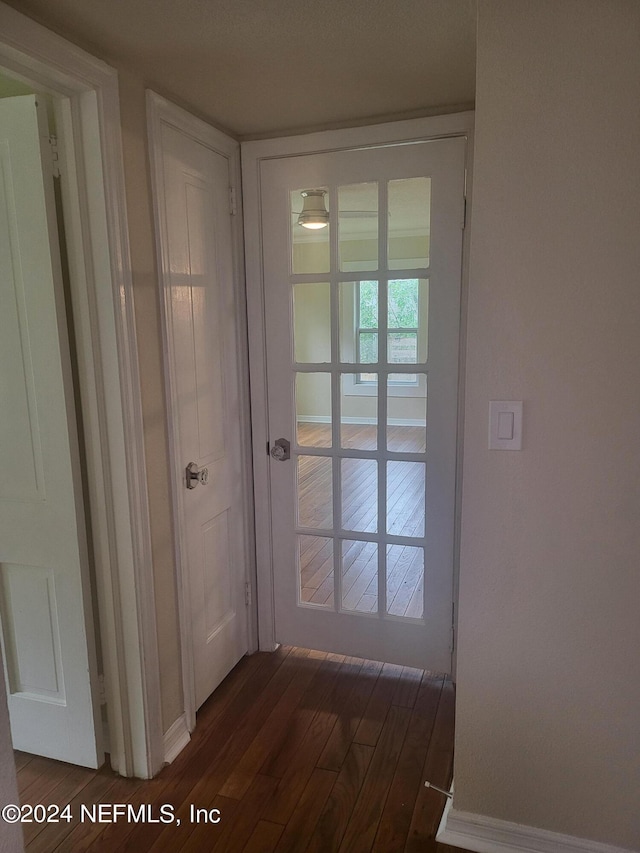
363 381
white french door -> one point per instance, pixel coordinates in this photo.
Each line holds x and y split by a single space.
362 326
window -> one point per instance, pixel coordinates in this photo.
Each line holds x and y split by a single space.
402 322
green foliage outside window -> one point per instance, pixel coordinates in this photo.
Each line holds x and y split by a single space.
402 322
403 304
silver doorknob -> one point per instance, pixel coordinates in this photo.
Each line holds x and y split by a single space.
195 475
281 450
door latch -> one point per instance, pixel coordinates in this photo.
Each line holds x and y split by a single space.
195 475
281 450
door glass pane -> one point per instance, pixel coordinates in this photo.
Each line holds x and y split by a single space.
358 226
313 409
403 349
347 309
405 498
367 347
408 321
360 495
359 322
409 223
405 581
359 576
367 305
312 323
310 246
407 419
315 570
359 413
315 492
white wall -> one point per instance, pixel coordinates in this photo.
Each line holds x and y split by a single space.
548 713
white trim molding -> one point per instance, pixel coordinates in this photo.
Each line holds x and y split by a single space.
176 738
489 835
254 154
85 92
325 419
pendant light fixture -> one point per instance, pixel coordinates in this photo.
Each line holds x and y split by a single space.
314 214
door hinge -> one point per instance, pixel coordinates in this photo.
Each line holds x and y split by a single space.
453 627
55 158
233 207
247 594
102 690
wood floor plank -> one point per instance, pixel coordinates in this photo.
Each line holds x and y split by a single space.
349 716
264 838
395 821
204 778
190 775
202 835
235 829
228 741
320 696
299 829
84 834
41 789
55 837
437 769
362 826
21 759
300 768
274 730
331 792
63 793
40 775
334 818
372 722
250 675
408 687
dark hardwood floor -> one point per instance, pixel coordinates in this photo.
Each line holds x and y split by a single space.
298 750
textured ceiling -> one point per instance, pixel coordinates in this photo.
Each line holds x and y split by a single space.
259 67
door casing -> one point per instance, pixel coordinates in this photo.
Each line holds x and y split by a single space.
85 91
253 155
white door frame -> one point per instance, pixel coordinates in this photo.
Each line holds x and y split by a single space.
253 154
159 112
102 298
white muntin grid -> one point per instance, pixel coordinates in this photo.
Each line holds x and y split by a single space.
336 453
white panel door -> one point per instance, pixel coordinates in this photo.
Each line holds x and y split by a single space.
362 325
47 631
205 393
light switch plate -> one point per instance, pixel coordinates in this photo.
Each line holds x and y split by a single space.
505 425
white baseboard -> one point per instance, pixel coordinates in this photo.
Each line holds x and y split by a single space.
176 738
325 419
490 835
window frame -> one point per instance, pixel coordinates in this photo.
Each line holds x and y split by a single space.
359 330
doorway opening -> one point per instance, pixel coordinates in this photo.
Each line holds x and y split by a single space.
84 95
359 357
